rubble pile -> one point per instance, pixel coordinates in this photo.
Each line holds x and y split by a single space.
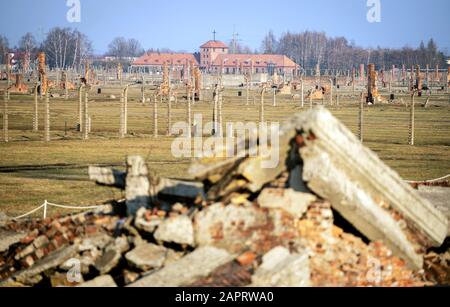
237 224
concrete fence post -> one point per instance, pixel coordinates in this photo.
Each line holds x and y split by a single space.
36 109
412 120
302 96
125 112
361 119
47 118
261 109
169 112
5 118
80 108
122 116
86 115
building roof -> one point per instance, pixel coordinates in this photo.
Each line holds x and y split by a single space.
259 60
161 58
214 44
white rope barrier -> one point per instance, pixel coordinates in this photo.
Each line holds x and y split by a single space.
433 180
45 206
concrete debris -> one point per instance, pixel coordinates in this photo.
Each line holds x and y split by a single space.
9 238
108 261
330 214
105 281
146 257
177 230
296 203
281 269
185 271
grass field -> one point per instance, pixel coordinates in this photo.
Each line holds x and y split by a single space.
32 171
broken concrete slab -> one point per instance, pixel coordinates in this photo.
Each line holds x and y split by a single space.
200 263
137 184
107 176
237 228
177 230
157 186
439 197
53 260
4 219
296 203
105 281
230 227
147 256
99 241
9 238
143 224
281 269
364 190
108 260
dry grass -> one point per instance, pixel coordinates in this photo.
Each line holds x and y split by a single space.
32 171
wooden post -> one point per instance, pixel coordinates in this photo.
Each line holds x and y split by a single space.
36 109
337 100
80 108
310 98
412 120
86 114
361 119
47 118
5 118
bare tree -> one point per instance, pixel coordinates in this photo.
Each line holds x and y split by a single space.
65 47
134 48
4 48
269 44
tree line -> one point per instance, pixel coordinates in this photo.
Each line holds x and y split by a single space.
310 48
69 48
